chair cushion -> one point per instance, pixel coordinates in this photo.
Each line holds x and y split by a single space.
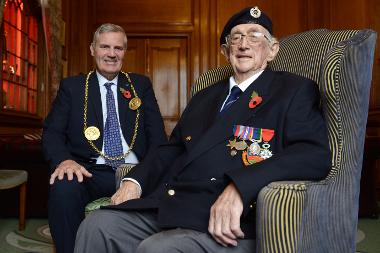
12 178
121 171
96 204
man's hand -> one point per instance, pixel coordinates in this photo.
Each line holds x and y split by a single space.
224 223
70 168
128 190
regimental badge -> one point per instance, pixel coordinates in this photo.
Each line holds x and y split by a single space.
135 103
255 12
92 133
253 142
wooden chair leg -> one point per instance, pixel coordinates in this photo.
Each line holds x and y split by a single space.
21 220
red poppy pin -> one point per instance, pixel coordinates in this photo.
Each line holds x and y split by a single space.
255 100
126 93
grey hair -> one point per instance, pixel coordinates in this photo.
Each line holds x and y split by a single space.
108 27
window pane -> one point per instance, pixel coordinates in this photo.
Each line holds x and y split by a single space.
19 89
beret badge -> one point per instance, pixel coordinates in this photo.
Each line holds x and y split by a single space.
255 12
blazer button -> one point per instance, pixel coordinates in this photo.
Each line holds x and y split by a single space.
171 192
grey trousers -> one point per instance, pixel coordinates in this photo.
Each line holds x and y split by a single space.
119 231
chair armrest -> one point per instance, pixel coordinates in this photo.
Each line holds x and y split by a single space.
278 216
121 171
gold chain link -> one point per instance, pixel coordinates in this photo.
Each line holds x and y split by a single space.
111 158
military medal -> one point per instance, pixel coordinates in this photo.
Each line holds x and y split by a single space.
135 103
257 148
238 145
92 133
254 149
267 136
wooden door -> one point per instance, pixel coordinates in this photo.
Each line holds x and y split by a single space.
165 61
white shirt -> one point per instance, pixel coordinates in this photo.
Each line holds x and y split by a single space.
243 85
131 158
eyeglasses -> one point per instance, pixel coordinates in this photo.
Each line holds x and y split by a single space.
252 38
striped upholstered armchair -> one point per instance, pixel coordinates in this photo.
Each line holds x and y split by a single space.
316 217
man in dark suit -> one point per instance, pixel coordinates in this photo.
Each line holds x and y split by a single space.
233 138
98 121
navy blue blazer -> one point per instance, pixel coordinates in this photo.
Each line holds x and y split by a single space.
63 136
184 178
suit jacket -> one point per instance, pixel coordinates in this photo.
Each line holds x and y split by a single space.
184 178
63 136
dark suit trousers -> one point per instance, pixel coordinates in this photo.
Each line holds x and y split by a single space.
67 201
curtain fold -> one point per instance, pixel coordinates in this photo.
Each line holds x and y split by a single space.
52 26
2 4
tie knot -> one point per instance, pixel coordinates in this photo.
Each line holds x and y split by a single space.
235 92
108 85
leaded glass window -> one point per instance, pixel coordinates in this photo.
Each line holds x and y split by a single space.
19 56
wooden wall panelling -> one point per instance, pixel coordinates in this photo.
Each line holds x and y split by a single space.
135 58
207 35
374 23
79 36
147 14
167 67
318 13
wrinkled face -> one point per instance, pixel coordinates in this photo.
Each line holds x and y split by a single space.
248 52
108 52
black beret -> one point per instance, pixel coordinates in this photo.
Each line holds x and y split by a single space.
250 15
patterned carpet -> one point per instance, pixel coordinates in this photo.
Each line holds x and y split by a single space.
36 237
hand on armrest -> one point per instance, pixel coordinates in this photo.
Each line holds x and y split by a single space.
128 190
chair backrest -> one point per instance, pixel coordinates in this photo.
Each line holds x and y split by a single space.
340 62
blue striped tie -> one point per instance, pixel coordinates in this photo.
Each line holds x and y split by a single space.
235 93
112 138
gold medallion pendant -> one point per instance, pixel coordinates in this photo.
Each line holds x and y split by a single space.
135 103
92 133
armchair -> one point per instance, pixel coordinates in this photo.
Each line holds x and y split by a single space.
319 216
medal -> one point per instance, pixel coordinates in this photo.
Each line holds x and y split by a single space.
238 145
265 153
254 149
267 136
241 145
135 103
92 133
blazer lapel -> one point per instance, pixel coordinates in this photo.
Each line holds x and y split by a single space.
126 116
94 110
239 112
215 103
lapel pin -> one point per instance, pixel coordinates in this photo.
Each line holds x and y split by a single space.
188 138
126 93
255 100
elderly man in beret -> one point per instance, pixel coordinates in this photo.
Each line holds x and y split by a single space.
196 193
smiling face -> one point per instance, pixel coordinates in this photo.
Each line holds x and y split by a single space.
248 58
108 52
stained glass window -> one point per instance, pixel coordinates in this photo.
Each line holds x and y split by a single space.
20 53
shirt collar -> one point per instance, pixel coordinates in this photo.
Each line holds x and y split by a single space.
245 84
102 80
